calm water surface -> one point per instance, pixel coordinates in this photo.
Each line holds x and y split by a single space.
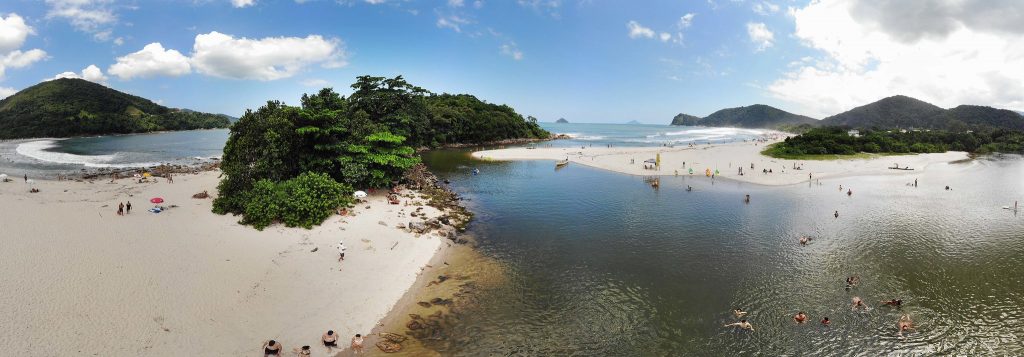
601 264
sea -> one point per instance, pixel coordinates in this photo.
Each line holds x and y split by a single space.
598 263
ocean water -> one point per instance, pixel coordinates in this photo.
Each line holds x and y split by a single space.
601 264
48 157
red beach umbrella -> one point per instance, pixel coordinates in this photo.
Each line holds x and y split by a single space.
156 200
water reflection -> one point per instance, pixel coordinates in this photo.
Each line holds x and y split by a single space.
601 264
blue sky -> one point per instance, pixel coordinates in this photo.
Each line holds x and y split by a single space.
585 60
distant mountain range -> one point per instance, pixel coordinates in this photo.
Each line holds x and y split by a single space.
72 107
888 113
633 122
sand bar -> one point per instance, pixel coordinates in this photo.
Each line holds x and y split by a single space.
726 158
79 280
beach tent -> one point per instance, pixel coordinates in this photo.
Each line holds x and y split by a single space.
359 194
650 161
146 174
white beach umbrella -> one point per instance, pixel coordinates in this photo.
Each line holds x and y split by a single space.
359 194
3 177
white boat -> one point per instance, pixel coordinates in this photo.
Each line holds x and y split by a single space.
561 163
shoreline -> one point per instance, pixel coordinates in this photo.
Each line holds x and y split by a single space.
188 281
727 159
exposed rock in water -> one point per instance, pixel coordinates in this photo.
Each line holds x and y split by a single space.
423 303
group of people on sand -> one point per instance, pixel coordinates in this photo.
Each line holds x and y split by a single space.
904 325
329 340
123 209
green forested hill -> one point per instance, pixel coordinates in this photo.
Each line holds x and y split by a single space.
70 107
755 116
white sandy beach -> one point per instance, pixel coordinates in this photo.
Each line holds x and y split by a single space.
726 158
79 280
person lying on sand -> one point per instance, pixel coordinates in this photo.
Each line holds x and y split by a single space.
271 348
905 324
743 324
303 352
800 317
330 340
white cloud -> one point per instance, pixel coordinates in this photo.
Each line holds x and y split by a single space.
760 35
637 31
764 8
152 60
664 36
91 73
91 16
456 3
512 50
244 3
265 59
453 22
13 33
950 57
686 20
315 82
7 92
551 7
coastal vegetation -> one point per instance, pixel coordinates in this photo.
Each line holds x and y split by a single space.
896 112
71 107
296 165
828 142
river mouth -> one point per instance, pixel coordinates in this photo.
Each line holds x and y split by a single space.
599 263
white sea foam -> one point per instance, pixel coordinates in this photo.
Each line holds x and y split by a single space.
38 150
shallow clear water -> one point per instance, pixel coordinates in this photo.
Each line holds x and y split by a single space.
601 264
644 134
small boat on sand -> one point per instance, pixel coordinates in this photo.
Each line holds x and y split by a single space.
561 163
901 168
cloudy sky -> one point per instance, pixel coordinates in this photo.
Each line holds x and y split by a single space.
585 60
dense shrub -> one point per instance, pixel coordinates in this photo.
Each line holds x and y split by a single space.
303 201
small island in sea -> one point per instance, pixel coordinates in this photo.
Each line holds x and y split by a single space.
562 121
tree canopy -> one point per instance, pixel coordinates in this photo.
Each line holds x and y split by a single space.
278 154
837 141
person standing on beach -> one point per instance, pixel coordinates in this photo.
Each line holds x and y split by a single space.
26 178
837 214
271 348
120 209
357 344
128 208
915 182
341 250
330 340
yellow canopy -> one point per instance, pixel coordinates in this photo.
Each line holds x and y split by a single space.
657 160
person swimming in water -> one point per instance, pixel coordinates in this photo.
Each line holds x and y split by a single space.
858 303
743 324
800 317
905 324
852 281
739 313
825 321
805 239
893 302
